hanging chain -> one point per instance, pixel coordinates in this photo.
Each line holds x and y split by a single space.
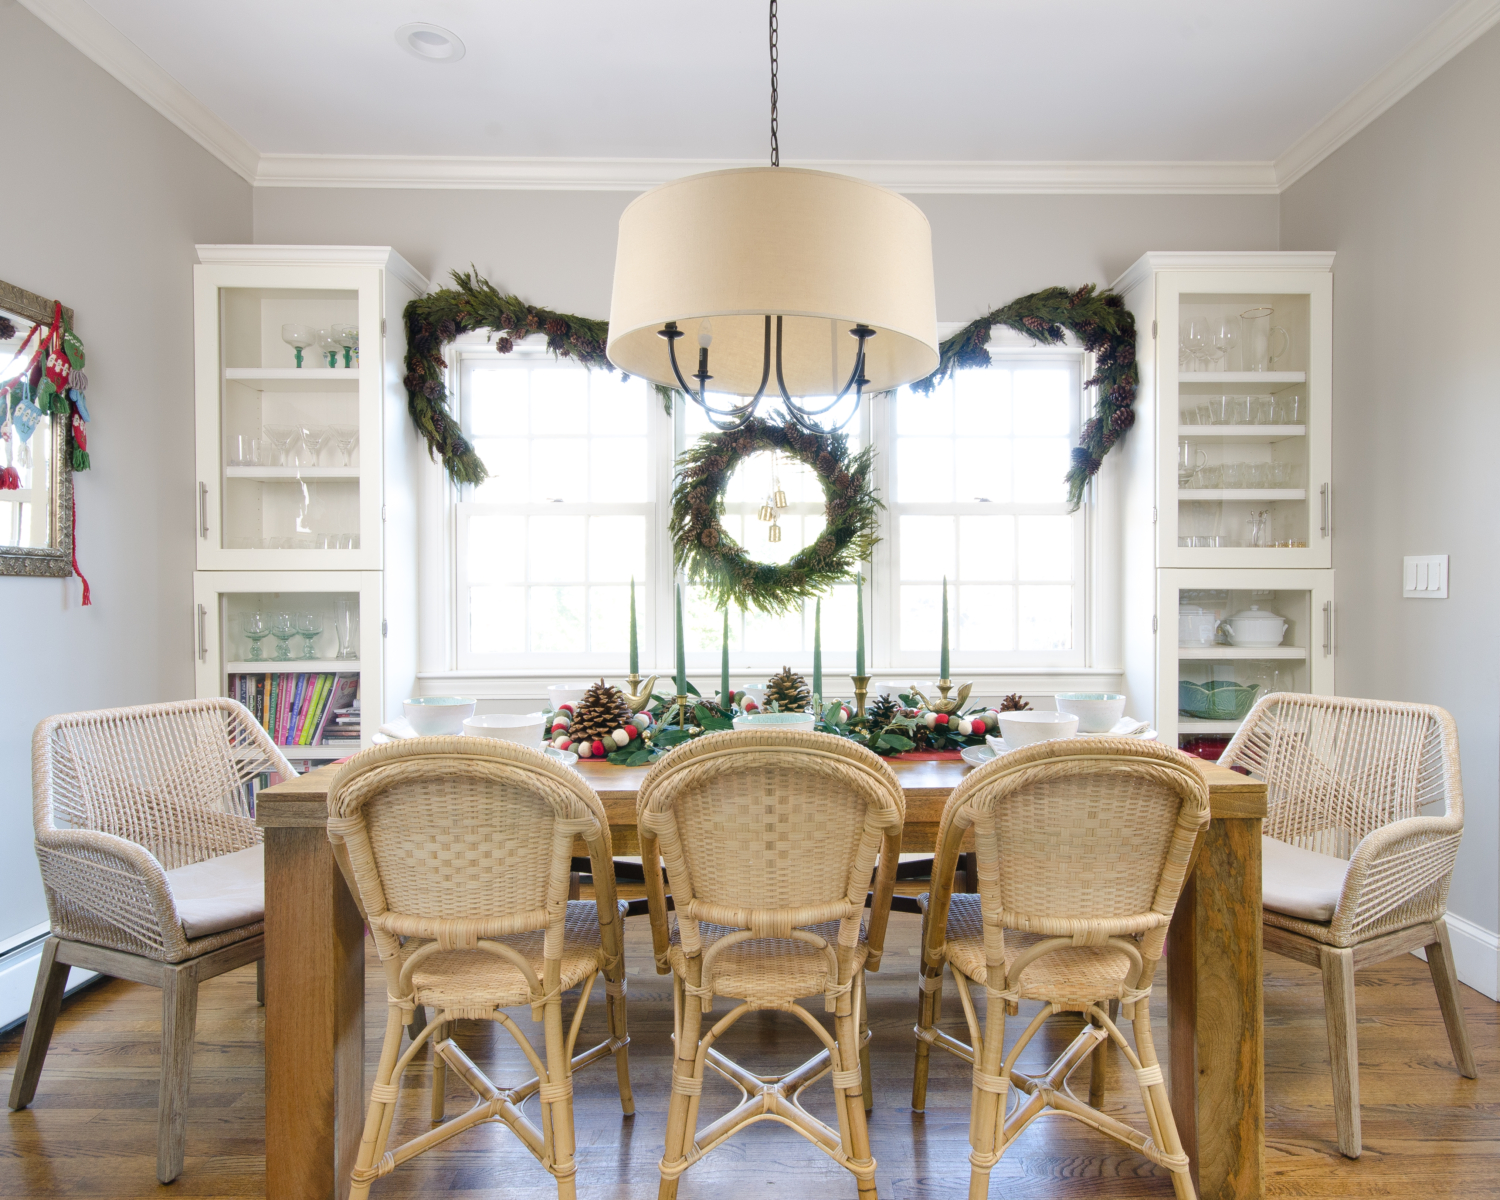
775 145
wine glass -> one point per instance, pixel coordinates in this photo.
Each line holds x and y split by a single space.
345 438
329 346
298 337
280 437
256 630
1224 336
345 617
346 336
309 628
283 629
314 438
1196 338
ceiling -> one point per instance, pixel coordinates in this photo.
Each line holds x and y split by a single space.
950 81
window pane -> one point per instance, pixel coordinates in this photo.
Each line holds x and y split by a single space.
986 548
1043 401
617 550
1046 617
1041 464
927 550
559 471
766 633
924 470
508 461
555 550
559 400
497 402
618 474
981 402
838 635
616 406
981 470
921 618
557 620
497 550
702 629
930 415
1044 547
497 620
986 617
609 618
750 482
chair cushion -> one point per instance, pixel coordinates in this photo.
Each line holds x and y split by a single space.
1300 883
220 893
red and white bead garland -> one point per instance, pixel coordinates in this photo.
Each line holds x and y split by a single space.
562 721
974 725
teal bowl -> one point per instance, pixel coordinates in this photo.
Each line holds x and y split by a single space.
1217 700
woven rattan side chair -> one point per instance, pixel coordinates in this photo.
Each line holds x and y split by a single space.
1355 868
769 841
460 852
1083 846
151 863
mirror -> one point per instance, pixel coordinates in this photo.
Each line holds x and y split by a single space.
36 477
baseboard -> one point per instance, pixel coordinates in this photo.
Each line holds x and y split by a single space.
1476 955
18 967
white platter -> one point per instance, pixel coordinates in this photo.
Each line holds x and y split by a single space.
977 756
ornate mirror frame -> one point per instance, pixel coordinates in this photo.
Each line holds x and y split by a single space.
56 558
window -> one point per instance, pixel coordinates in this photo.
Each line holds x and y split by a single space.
579 490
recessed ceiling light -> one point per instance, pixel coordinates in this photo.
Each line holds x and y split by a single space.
432 42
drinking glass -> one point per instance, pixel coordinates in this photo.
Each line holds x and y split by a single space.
298 337
1262 410
1290 409
281 438
1218 410
1224 336
309 628
1284 474
1234 475
345 618
1210 477
1258 523
345 437
1188 416
244 450
1237 410
314 438
256 630
1261 475
328 345
1205 413
346 336
283 629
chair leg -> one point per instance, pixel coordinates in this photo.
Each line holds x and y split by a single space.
1158 1103
866 1079
260 982
614 1007
560 1072
179 1018
986 1108
46 1001
1099 1060
370 1144
685 1084
851 1110
439 1074
1450 1000
929 1010
1343 1044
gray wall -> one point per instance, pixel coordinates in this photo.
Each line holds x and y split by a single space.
1411 206
103 202
558 248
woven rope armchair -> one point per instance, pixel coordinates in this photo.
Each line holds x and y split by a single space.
1082 848
769 841
460 851
1356 866
131 807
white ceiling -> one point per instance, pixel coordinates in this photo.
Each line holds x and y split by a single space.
1079 81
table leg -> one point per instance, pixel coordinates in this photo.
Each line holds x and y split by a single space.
1215 1018
315 1019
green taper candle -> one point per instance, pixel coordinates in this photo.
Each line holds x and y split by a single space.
724 693
943 658
681 649
818 649
859 623
635 648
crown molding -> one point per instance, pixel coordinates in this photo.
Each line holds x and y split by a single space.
638 174
86 31
1453 32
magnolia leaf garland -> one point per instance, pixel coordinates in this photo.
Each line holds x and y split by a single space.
1098 319
707 555
1106 328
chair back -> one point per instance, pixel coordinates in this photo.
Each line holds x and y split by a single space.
175 778
1089 839
1338 768
457 839
769 832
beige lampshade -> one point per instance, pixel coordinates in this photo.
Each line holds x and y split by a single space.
824 251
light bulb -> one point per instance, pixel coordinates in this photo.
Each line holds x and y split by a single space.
705 333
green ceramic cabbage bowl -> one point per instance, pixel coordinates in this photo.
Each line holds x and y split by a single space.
1217 700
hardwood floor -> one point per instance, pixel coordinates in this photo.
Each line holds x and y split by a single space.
1427 1132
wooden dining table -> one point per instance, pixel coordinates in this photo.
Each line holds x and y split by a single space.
315 979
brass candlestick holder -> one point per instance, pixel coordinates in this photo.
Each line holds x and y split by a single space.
861 687
681 703
945 705
635 695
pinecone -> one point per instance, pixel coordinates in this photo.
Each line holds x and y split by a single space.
601 711
1012 703
788 691
884 711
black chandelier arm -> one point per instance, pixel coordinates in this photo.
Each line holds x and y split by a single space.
857 378
741 413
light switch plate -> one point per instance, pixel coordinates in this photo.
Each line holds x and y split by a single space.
1424 577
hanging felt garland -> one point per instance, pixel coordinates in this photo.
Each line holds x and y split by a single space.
1106 328
705 552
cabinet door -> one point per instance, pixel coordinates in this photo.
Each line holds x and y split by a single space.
1244 391
1213 667
289 455
277 666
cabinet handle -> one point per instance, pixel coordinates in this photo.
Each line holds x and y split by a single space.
202 633
1323 493
1327 628
203 511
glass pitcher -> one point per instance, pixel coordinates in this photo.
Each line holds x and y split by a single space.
1257 334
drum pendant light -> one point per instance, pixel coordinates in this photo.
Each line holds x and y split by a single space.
802 283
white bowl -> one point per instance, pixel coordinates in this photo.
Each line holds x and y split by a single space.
565 693
1023 728
1096 711
777 722
433 715
894 689
525 728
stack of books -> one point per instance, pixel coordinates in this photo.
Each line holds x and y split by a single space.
302 709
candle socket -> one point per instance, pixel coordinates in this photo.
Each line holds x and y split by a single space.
861 688
682 710
636 695
945 705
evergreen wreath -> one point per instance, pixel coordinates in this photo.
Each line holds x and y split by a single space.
434 320
704 551
1106 328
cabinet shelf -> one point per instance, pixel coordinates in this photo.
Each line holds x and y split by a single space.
299 666
1221 653
1191 377
1213 494
290 474
1265 433
1194 725
295 379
